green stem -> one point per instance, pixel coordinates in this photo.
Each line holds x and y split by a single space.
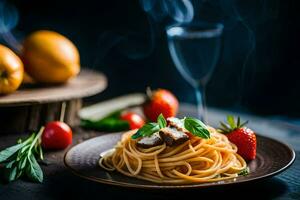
36 139
25 146
41 152
29 139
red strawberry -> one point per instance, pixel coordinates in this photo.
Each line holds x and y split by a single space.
243 137
160 101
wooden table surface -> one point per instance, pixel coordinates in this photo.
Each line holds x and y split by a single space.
59 183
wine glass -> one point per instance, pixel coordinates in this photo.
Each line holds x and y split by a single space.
195 50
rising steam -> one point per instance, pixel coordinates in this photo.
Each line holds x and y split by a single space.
136 45
181 11
9 18
232 9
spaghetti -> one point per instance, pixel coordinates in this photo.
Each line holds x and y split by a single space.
196 160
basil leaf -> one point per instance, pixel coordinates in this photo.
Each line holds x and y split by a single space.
196 127
137 135
147 130
34 171
161 121
8 152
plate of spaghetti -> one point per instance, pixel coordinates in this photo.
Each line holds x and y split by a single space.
179 153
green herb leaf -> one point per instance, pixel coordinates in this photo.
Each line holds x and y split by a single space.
11 174
161 121
196 127
137 135
8 152
244 172
146 130
34 171
10 164
22 163
20 159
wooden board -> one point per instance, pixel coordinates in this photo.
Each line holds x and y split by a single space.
87 83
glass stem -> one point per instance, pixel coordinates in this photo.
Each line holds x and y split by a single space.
201 103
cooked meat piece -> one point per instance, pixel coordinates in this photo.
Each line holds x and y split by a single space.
177 123
152 141
172 136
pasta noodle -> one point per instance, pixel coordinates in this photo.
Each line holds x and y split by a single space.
196 160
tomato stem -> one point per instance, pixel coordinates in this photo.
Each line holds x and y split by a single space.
62 111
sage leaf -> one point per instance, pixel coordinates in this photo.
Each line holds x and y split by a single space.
22 163
13 174
8 152
10 164
10 174
34 171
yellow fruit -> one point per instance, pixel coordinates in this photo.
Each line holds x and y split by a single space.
50 57
11 71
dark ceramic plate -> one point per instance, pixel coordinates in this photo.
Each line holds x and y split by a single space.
272 157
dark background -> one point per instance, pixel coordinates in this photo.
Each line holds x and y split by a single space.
258 70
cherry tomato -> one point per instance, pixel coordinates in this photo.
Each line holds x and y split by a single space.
56 135
135 121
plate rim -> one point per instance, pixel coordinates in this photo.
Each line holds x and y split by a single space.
183 186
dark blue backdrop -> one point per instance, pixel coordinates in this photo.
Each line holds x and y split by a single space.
258 68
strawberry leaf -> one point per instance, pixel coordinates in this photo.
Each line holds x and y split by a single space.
238 122
231 122
225 126
243 124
